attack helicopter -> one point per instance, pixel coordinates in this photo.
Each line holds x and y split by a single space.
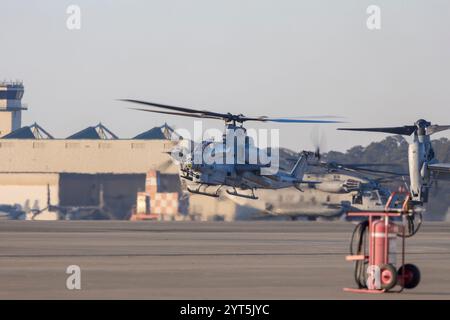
237 162
423 166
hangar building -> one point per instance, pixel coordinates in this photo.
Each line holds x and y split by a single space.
87 171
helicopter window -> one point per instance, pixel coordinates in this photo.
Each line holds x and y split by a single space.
384 195
357 199
374 195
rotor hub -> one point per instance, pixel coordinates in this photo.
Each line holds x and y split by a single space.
421 123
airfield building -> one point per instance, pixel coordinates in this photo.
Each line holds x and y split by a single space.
90 174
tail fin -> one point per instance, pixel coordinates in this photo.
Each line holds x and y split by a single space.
300 167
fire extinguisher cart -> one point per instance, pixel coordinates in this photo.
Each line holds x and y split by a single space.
376 258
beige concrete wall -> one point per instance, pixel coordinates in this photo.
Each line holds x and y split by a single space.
85 156
28 190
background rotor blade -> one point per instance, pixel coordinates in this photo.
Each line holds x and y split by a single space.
357 168
387 179
318 139
180 109
380 171
362 165
405 130
192 115
436 128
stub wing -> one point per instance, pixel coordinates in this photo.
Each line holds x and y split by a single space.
440 171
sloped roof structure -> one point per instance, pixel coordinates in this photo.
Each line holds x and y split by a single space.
99 132
164 132
34 131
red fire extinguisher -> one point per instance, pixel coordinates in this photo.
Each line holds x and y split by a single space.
384 239
383 254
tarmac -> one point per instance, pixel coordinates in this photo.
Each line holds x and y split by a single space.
201 260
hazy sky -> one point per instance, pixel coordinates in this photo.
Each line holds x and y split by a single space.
258 57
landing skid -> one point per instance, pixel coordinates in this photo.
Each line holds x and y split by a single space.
204 193
233 192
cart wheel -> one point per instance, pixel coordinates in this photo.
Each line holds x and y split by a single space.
412 276
388 276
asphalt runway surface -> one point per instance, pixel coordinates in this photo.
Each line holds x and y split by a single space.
201 260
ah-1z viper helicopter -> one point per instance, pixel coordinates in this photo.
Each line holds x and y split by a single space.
241 172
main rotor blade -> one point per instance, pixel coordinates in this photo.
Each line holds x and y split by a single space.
224 116
316 117
180 109
192 115
436 128
291 120
405 130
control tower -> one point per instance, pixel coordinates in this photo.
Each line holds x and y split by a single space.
11 106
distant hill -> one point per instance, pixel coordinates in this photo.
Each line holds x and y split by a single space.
393 150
